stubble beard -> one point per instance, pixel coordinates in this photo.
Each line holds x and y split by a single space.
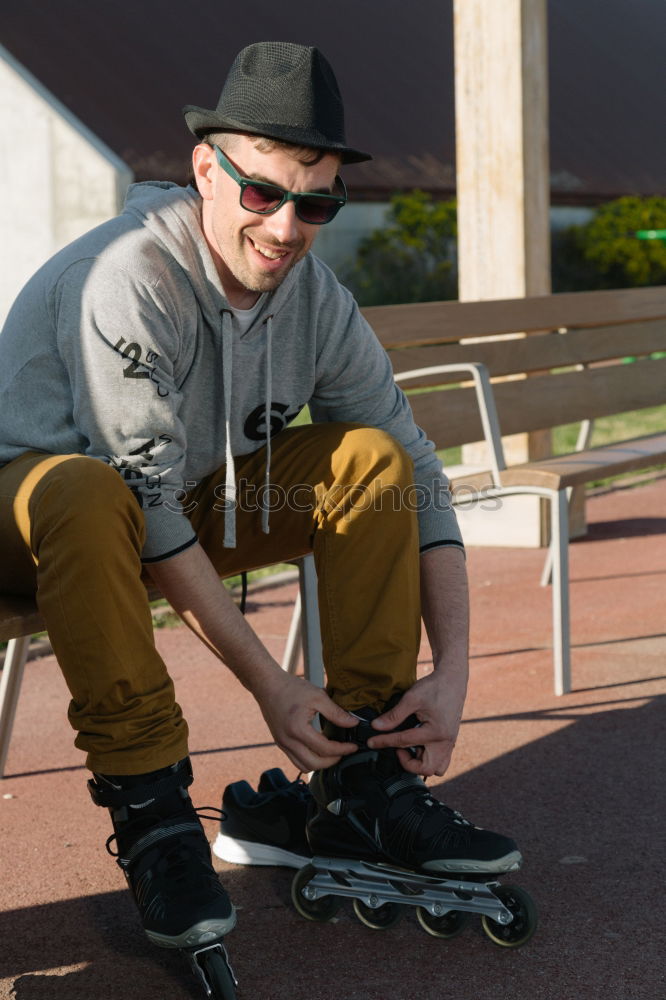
242 271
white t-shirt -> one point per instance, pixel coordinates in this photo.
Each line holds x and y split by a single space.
244 318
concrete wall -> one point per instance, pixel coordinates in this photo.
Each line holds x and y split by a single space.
57 180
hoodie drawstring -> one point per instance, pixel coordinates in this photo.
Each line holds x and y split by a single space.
269 392
230 478
230 475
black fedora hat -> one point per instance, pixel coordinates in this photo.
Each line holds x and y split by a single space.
282 91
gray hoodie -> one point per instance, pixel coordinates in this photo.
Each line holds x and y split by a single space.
122 347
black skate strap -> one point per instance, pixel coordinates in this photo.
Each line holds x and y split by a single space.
163 832
107 795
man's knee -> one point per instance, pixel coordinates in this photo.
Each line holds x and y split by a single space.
381 452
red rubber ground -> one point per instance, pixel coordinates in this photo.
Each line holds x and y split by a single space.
579 781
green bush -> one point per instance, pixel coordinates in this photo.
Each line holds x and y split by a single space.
605 252
411 258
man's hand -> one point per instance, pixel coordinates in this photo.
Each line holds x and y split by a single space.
289 705
438 708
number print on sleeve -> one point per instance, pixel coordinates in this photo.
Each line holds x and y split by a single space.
150 492
138 368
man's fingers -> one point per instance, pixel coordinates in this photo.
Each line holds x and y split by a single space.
338 716
396 715
404 738
319 744
412 764
313 750
428 763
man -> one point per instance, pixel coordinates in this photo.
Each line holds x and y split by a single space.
148 372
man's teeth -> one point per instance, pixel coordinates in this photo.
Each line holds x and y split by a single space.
271 254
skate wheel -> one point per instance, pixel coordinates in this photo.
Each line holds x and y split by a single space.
448 925
322 909
524 922
218 976
378 917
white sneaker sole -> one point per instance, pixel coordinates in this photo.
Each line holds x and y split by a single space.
246 852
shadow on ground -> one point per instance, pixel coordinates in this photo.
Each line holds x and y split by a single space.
586 802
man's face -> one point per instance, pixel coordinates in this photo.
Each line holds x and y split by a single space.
254 253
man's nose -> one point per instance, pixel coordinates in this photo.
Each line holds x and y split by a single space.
283 224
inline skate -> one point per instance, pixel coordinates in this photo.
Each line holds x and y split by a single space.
379 837
164 854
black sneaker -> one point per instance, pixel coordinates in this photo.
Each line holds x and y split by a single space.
266 827
164 853
369 808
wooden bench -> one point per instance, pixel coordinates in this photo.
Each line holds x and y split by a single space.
573 352
20 619
575 343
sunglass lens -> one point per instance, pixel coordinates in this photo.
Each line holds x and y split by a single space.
317 211
261 197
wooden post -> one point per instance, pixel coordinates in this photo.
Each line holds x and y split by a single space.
503 190
501 80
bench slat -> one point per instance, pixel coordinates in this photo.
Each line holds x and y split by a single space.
18 616
536 352
440 322
451 417
574 469
594 463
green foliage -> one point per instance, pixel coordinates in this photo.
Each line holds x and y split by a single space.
410 259
605 252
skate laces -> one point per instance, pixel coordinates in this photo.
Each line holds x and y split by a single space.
424 819
454 815
297 789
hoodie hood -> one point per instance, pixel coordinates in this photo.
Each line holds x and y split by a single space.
173 215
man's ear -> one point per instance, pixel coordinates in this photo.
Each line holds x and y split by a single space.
204 167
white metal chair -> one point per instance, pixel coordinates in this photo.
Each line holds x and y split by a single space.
558 560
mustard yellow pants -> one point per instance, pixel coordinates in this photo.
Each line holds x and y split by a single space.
72 533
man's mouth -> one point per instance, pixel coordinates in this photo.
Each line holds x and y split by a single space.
268 252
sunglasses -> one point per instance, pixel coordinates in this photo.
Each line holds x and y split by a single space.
264 199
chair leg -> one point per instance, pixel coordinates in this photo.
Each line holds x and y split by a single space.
311 631
547 571
583 442
292 650
561 623
10 685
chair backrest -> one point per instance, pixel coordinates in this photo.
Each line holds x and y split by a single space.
596 330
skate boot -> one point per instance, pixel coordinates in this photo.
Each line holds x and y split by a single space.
266 827
379 838
368 807
164 853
